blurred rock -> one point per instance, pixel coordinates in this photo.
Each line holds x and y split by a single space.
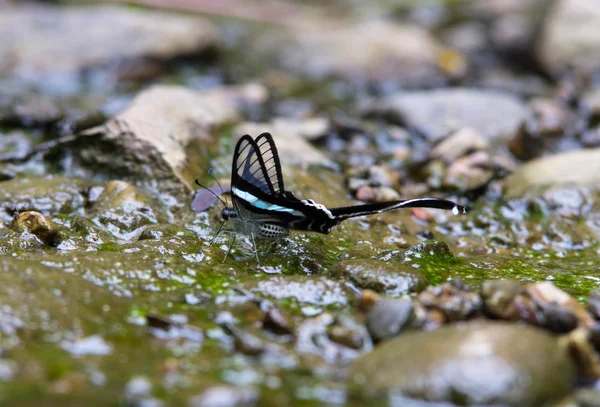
55 44
38 225
478 363
388 317
448 302
373 49
498 297
318 291
226 396
437 113
49 195
382 277
459 143
470 171
570 38
122 209
151 142
575 168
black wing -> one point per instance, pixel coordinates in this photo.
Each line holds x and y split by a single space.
256 167
346 212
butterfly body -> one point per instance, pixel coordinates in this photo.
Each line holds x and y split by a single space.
263 208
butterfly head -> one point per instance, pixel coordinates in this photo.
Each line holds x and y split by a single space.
227 213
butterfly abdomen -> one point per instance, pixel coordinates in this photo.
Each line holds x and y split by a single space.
273 231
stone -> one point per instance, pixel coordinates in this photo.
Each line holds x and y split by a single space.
569 37
458 144
151 141
477 363
580 168
436 113
39 225
380 276
388 317
42 41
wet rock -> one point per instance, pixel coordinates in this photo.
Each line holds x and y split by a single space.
244 341
49 195
569 38
448 302
279 322
91 345
366 50
122 209
388 317
226 396
477 363
319 291
546 305
382 277
498 297
312 338
571 168
39 225
170 328
159 231
348 333
470 171
57 43
581 347
431 248
152 141
437 113
292 146
458 144
587 397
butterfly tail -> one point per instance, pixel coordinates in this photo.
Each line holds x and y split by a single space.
346 212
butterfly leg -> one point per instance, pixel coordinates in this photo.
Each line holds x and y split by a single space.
255 248
231 243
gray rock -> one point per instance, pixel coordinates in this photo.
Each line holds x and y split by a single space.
41 40
374 49
149 142
437 113
380 276
389 317
458 144
570 37
580 168
478 363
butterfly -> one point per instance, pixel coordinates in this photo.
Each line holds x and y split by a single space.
262 207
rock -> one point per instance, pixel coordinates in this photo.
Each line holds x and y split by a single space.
373 49
293 147
319 291
49 195
388 317
122 209
346 332
571 168
437 113
448 302
478 364
150 142
498 297
380 276
458 144
470 171
39 225
55 44
569 37
226 396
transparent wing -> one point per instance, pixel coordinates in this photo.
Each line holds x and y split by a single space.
256 162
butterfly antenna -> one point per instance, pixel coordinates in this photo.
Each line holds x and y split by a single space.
211 173
212 192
